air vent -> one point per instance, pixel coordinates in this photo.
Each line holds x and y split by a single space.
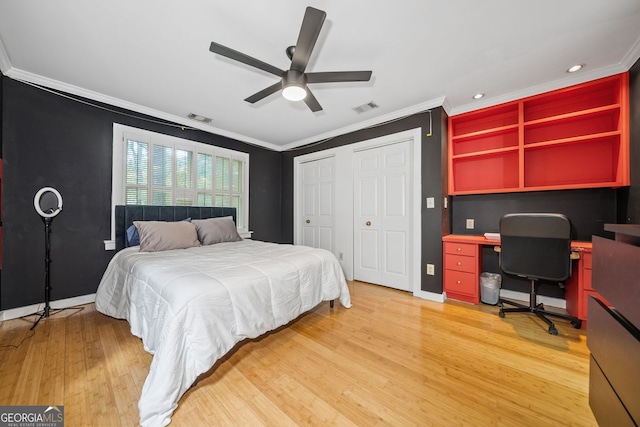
365 107
199 118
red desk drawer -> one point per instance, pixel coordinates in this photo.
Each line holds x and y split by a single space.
460 263
467 249
461 282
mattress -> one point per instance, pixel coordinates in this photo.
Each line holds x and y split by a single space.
191 306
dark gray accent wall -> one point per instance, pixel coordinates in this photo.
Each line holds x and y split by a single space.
588 210
630 198
433 176
49 140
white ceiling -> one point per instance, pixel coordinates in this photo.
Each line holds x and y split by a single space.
152 56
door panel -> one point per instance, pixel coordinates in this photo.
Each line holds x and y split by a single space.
369 258
309 199
395 203
395 248
325 235
325 198
369 196
381 215
309 237
318 211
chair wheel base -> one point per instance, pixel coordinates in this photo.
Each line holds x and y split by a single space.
539 311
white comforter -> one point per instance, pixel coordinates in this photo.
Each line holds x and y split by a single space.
191 306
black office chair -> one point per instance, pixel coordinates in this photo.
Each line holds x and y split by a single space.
536 246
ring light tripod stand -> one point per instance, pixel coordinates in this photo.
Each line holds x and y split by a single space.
47 216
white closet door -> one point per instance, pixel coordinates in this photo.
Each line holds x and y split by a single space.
318 211
382 181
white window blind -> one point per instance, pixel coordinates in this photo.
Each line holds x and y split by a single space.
156 169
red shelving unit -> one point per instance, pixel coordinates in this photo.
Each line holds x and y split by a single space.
576 137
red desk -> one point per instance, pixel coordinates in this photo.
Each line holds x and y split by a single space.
462 257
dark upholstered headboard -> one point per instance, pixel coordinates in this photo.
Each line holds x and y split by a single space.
126 214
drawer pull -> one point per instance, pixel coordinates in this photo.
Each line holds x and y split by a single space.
459 249
459 263
459 281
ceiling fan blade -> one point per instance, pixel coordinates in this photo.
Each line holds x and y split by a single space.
264 93
312 102
339 76
245 59
309 32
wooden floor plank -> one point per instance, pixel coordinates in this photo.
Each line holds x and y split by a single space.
391 359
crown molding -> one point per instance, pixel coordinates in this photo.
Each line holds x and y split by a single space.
35 79
5 64
446 106
632 56
418 108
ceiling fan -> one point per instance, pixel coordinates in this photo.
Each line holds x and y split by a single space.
293 82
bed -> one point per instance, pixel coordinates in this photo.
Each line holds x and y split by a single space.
191 305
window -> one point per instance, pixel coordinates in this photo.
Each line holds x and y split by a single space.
156 169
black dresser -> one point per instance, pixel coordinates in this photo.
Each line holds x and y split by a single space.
613 328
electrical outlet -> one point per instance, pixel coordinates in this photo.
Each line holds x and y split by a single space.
340 256
470 224
431 269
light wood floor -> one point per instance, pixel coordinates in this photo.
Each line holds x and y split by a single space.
391 359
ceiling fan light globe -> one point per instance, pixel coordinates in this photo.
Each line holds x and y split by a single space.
294 93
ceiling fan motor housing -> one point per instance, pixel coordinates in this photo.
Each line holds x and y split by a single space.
293 78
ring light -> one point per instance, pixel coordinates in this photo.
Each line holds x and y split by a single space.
47 217
50 213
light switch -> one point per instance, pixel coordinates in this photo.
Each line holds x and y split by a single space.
431 203
470 224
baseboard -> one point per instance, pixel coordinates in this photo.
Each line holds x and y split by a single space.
431 296
523 296
17 312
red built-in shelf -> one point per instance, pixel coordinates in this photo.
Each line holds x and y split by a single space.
577 137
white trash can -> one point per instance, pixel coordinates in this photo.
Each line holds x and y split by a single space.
490 288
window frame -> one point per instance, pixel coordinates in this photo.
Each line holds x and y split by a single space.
122 133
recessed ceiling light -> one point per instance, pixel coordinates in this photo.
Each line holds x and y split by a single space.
575 68
478 95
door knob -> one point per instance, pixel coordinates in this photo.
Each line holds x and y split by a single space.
368 223
308 221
